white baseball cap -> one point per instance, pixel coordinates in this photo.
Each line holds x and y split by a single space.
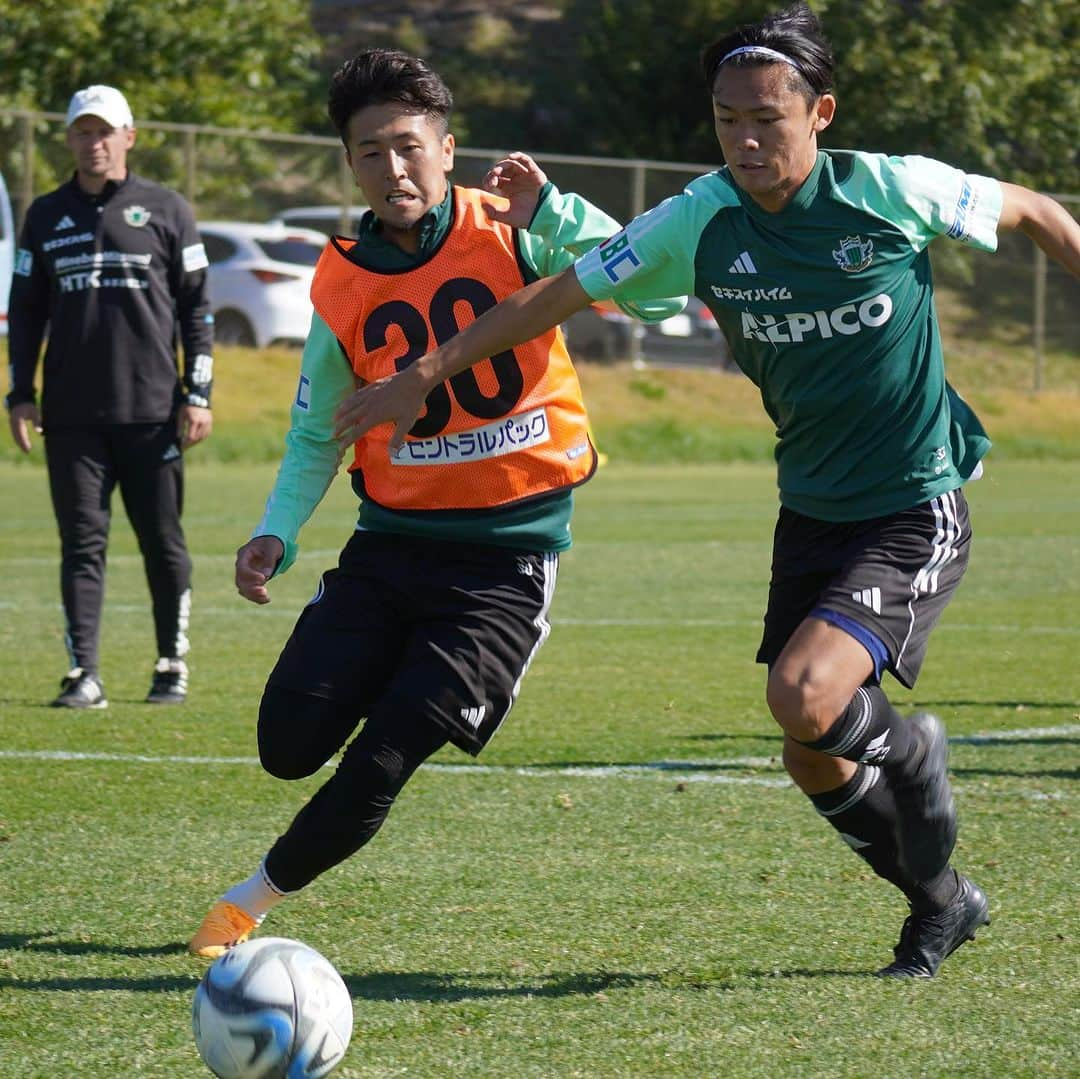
104 101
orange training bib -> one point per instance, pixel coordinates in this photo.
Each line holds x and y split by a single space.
510 428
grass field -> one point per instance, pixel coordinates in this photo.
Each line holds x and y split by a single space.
688 415
624 884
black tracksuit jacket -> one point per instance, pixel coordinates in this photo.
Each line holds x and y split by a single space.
115 279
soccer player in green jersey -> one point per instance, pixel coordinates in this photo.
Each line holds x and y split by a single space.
815 265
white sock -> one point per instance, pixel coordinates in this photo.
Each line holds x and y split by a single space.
256 895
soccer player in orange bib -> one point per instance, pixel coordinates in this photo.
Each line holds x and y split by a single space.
440 599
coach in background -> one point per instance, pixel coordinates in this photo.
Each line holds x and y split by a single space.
112 264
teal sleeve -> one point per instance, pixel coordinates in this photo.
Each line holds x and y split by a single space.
312 456
653 256
565 227
925 199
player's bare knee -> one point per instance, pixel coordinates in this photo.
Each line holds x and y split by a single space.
799 702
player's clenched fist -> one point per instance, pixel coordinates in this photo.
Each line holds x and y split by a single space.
255 565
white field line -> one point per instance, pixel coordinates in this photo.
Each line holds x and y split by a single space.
322 554
1068 730
684 771
292 612
669 769
675 623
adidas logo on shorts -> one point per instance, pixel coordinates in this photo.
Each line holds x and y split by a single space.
474 716
869 597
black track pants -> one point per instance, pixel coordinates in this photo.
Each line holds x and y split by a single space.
85 465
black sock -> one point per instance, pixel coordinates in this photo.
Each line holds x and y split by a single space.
869 730
863 811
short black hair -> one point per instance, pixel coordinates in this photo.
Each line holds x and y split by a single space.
382 76
795 32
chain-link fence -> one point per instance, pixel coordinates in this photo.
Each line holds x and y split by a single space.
1016 296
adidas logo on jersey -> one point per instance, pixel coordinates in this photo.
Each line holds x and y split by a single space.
64 223
869 597
743 264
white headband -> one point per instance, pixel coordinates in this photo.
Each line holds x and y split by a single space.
759 50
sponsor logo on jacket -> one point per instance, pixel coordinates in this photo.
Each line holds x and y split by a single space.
67 241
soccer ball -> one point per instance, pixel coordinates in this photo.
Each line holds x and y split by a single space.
272 1008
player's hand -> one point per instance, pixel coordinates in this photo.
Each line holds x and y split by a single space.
20 418
255 565
398 399
194 424
517 178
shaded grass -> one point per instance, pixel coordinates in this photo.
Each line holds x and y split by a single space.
656 414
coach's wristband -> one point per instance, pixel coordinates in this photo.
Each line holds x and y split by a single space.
17 397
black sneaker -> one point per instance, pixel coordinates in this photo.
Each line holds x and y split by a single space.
925 811
81 689
928 939
169 684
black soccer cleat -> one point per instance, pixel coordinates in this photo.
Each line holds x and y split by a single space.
81 689
925 810
169 684
927 940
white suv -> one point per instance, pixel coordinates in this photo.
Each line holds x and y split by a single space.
327 219
260 279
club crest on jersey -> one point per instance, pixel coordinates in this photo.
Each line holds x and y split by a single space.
136 216
855 254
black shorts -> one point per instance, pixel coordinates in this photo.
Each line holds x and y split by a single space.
891 575
408 627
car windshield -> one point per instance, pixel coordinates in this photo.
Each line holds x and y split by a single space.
293 249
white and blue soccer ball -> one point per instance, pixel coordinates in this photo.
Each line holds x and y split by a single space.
272 1008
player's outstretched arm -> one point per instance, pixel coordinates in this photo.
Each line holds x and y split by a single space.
1045 221
399 399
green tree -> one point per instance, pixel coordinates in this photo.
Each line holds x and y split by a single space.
629 83
489 56
230 63
236 63
988 85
